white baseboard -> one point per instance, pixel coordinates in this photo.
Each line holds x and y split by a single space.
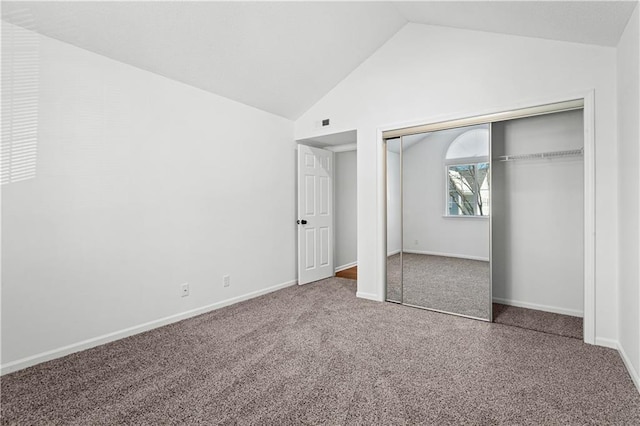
545 308
368 296
347 266
627 363
117 335
391 253
459 256
614 344
607 343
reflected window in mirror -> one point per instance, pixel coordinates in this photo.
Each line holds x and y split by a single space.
467 169
468 189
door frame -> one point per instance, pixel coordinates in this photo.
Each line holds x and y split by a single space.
588 98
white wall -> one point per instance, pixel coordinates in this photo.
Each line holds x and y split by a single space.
427 74
143 183
346 236
394 199
629 192
538 214
426 230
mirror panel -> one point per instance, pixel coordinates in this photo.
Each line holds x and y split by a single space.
445 206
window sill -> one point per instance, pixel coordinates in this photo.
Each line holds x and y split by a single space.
465 217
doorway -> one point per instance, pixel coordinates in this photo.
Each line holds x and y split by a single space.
343 235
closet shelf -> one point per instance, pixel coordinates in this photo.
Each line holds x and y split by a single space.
552 154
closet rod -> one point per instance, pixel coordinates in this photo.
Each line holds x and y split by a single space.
552 154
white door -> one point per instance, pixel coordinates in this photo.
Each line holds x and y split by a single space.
315 214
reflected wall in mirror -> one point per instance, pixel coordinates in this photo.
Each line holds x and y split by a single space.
445 193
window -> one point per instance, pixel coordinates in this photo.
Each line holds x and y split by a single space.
467 168
468 189
20 94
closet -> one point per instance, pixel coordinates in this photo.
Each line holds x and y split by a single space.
538 222
485 218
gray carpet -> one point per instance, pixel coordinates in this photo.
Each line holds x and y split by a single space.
394 278
461 286
546 322
448 284
318 355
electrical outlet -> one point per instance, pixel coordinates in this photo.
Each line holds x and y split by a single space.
226 280
184 290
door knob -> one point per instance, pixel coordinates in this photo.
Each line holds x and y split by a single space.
302 222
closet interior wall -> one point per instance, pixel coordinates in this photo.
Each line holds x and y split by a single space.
538 213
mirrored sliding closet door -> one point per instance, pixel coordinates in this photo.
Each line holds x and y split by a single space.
438 228
394 220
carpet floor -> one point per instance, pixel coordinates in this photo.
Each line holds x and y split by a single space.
448 284
316 354
462 286
546 322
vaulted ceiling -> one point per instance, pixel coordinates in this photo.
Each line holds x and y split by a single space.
282 57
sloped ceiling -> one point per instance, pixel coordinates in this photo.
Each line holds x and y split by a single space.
278 57
589 22
282 57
